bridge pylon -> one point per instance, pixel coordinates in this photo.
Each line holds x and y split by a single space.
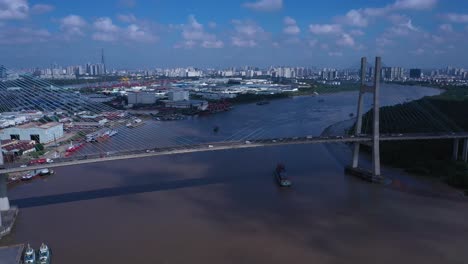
374 175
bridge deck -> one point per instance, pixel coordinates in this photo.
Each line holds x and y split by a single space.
216 146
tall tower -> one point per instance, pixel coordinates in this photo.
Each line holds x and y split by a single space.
103 62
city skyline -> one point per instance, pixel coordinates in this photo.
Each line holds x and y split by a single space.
136 34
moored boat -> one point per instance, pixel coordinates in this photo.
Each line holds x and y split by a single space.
29 256
43 254
29 176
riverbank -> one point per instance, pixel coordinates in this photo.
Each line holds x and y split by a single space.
398 179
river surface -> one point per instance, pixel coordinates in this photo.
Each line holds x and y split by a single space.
225 207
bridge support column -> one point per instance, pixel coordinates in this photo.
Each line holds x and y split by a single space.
4 202
358 127
465 150
376 123
374 175
456 143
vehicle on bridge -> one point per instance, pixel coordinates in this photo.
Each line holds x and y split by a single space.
280 176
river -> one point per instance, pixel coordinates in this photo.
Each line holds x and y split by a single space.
225 207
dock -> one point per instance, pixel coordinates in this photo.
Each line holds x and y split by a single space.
8 219
11 254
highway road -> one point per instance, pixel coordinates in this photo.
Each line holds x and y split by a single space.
216 146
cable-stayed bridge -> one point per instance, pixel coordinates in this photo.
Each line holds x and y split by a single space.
124 136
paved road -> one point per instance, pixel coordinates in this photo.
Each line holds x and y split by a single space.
215 146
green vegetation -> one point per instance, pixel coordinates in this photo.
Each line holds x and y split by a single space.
441 113
314 88
39 147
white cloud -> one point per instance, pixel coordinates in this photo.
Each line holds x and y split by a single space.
247 33
360 17
290 26
346 40
265 5
356 32
41 9
212 24
325 28
194 34
356 18
107 31
136 33
312 43
128 18
414 4
72 25
456 18
13 9
418 51
446 28
384 41
23 35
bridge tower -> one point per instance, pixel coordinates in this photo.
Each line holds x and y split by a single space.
374 175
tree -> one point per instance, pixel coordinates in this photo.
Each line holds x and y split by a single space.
39 147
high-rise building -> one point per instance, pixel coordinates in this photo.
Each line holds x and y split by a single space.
392 73
415 73
103 62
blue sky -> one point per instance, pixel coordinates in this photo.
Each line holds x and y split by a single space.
214 33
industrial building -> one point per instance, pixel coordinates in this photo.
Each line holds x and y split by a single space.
41 133
141 98
186 104
179 96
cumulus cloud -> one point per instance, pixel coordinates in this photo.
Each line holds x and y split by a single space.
72 26
290 26
194 34
41 9
446 28
325 28
360 17
456 18
106 30
247 33
13 9
23 35
265 5
346 40
128 18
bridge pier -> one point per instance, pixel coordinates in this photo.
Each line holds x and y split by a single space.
4 202
456 143
375 174
465 150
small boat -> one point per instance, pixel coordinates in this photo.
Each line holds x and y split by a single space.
113 133
43 254
45 172
351 114
216 129
321 100
280 176
29 256
29 176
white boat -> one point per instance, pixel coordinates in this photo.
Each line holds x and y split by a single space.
44 254
29 256
112 133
